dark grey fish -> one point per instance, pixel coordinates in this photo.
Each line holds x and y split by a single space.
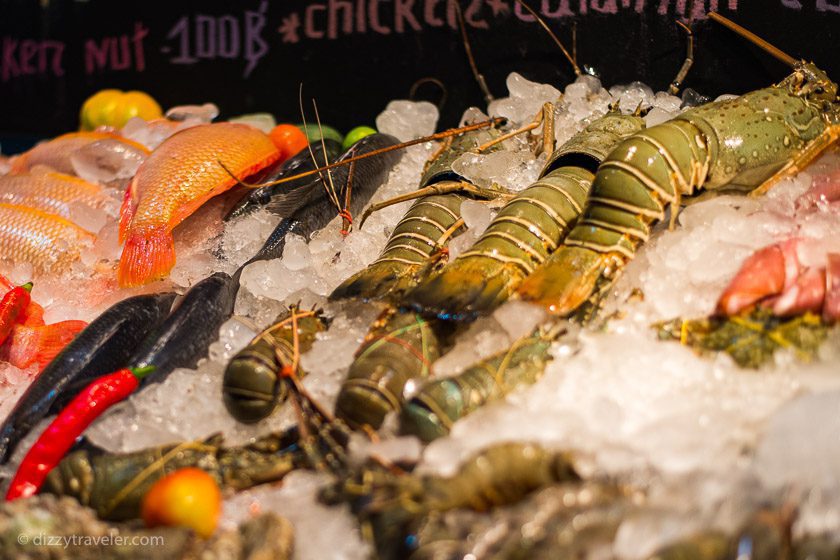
310 208
302 162
102 347
185 335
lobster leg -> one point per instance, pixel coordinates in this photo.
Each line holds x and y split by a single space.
828 138
445 187
545 117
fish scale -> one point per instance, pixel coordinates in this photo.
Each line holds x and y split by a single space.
51 192
174 181
47 241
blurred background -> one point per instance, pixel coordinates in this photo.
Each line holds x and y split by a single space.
353 56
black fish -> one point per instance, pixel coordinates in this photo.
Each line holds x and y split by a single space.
309 208
102 347
302 162
194 323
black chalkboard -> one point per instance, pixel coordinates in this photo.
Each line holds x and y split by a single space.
354 56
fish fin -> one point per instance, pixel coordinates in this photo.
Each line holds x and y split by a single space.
148 255
127 210
53 340
284 204
32 316
40 344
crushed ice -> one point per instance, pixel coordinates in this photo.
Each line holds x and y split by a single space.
709 435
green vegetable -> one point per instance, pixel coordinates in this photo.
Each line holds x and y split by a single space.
357 134
313 132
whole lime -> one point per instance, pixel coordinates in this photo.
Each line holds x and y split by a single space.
357 134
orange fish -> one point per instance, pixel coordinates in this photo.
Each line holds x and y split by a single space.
51 192
173 182
27 345
47 241
56 153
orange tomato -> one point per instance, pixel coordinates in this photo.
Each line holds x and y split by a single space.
289 139
187 497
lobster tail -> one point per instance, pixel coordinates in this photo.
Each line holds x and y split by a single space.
435 408
400 347
410 253
382 279
632 188
424 416
466 288
519 239
566 281
252 388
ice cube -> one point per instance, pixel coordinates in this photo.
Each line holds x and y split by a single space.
407 120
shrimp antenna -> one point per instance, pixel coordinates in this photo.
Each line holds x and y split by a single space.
495 121
753 38
479 77
553 36
674 88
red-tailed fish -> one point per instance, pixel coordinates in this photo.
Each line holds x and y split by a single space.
47 241
28 345
174 181
51 192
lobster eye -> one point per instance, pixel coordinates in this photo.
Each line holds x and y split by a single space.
819 90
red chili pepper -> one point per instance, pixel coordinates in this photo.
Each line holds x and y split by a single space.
71 423
12 305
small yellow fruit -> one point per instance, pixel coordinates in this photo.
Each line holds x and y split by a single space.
187 497
113 107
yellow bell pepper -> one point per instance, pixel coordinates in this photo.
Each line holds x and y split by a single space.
114 107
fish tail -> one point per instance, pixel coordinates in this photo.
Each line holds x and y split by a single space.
148 255
466 288
567 280
53 339
32 316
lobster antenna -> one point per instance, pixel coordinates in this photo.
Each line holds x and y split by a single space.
674 88
752 37
479 77
495 121
553 36
331 187
327 184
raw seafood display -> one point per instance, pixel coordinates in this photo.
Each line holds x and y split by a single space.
360 325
